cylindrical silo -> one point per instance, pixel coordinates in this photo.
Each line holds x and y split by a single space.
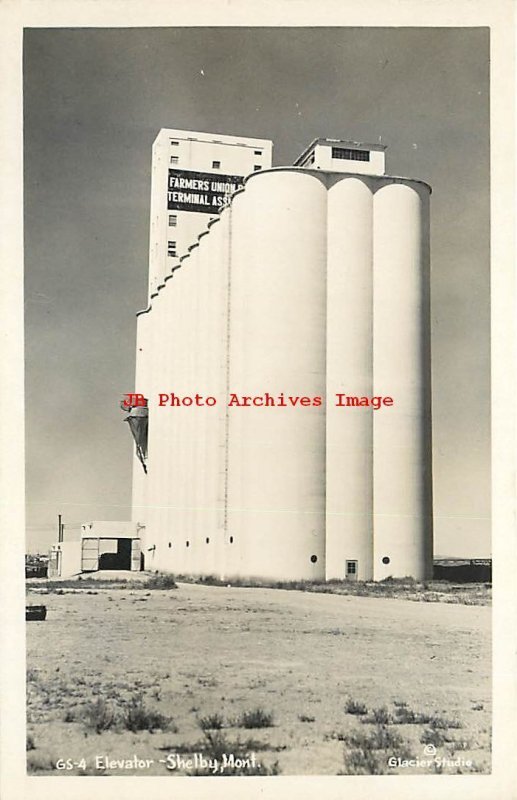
276 453
349 431
401 358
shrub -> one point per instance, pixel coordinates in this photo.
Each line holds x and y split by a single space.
362 762
441 722
353 707
256 719
212 722
306 718
381 738
99 716
30 744
433 736
380 716
216 743
137 717
161 580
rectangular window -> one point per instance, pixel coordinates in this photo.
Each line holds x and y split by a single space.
171 249
257 152
174 143
256 167
216 164
350 155
173 220
174 159
351 567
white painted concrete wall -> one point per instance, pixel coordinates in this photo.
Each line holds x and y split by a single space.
70 558
323 160
194 151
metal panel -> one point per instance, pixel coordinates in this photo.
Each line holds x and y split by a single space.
135 555
89 555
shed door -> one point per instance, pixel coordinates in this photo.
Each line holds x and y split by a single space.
90 555
135 555
351 571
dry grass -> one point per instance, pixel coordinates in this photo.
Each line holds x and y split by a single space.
396 588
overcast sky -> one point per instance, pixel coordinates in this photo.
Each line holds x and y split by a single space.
95 100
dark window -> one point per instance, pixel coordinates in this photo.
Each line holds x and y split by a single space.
216 164
173 220
256 167
257 152
207 540
174 160
231 539
170 544
351 567
385 560
350 155
314 559
174 143
187 544
171 249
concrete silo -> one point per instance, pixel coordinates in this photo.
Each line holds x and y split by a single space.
402 494
276 455
349 367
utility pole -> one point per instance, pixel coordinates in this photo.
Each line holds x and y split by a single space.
59 528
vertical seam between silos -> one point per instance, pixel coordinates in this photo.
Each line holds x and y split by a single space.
373 190
227 383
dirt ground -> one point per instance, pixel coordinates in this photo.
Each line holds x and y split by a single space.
354 685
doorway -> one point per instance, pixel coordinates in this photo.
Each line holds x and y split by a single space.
351 571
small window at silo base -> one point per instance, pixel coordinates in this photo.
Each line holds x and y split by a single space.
350 155
386 560
314 559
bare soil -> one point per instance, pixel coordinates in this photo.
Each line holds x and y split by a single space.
420 669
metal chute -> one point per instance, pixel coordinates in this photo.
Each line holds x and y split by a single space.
138 420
